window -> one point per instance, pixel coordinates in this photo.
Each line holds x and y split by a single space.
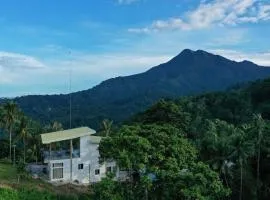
97 172
108 169
80 166
58 171
58 164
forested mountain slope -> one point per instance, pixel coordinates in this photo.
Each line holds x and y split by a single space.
189 73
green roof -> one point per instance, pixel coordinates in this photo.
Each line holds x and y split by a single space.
69 134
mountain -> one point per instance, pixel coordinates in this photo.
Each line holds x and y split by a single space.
190 72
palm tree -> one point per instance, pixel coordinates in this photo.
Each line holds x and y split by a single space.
9 118
242 150
57 126
24 133
36 144
107 126
259 128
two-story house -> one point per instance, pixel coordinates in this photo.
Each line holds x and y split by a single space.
72 156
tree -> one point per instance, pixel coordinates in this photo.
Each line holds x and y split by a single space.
242 149
9 118
259 128
107 127
161 150
23 133
106 189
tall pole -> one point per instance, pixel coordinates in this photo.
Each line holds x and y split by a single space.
71 152
50 164
70 98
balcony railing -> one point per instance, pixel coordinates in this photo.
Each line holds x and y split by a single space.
60 155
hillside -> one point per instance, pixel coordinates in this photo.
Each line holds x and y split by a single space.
190 72
226 127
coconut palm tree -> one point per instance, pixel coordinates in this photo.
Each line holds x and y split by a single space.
107 127
258 129
24 134
9 118
242 149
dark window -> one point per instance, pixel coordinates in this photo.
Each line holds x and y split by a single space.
58 164
80 166
97 172
109 169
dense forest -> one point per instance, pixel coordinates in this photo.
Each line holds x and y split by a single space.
211 146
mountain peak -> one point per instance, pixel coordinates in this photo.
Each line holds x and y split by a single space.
189 52
186 52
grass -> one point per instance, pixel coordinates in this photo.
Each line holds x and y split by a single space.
7 172
11 189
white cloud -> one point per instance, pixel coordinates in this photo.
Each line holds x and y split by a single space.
12 61
216 12
27 75
261 58
18 68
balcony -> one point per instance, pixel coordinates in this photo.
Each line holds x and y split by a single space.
60 155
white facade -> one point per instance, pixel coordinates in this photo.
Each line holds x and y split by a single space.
85 169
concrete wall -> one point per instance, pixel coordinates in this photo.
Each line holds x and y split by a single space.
89 157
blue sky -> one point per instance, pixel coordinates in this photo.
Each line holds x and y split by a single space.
41 41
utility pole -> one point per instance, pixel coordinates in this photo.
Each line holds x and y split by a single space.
71 163
70 99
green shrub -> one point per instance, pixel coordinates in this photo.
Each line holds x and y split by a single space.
24 194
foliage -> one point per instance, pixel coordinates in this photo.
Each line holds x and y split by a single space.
107 189
163 151
28 194
211 146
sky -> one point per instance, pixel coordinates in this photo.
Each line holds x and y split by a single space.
46 43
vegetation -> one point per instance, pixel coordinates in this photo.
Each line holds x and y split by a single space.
23 135
33 194
211 146
14 187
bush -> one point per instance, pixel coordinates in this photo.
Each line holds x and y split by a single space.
24 194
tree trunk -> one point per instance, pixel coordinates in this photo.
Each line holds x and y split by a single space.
24 149
258 163
36 156
241 180
226 180
146 194
10 148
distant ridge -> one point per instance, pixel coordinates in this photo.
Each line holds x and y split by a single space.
190 72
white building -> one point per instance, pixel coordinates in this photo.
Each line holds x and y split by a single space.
77 158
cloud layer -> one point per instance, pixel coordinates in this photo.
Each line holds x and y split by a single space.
23 74
217 12
13 61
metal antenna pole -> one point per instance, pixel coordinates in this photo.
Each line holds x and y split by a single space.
70 99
